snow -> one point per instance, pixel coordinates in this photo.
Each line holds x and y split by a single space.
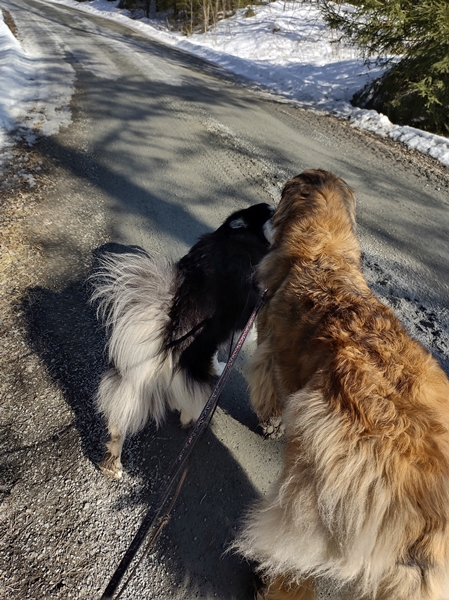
285 49
34 92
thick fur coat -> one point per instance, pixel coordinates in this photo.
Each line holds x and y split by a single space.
363 497
167 321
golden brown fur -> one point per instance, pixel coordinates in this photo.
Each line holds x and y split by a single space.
364 493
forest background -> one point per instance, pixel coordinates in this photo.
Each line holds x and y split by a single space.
410 38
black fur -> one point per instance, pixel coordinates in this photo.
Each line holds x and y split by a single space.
216 290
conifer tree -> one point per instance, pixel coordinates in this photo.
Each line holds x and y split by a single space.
413 35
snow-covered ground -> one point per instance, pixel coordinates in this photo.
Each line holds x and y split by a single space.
285 49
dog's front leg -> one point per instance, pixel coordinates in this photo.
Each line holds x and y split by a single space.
264 392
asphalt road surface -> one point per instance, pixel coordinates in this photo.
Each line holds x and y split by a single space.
160 149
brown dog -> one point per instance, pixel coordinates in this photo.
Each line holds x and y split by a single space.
363 498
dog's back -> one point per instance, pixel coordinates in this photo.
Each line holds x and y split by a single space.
364 494
371 424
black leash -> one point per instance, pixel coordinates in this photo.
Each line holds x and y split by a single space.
187 335
162 522
156 507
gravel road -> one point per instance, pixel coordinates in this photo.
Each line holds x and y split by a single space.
161 147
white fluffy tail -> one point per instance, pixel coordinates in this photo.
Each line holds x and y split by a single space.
134 295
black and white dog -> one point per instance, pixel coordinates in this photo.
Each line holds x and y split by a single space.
166 323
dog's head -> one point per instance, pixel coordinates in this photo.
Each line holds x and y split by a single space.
314 221
310 194
255 220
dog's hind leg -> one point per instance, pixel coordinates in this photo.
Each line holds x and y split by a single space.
278 589
264 392
126 403
111 464
109 403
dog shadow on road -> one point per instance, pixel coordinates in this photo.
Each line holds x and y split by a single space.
64 332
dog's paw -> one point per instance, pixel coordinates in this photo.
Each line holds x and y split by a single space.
111 466
272 428
219 368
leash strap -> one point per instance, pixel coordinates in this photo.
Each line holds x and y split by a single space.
162 522
203 421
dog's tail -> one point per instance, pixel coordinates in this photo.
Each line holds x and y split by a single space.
133 294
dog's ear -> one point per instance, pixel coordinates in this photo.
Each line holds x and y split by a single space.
238 223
